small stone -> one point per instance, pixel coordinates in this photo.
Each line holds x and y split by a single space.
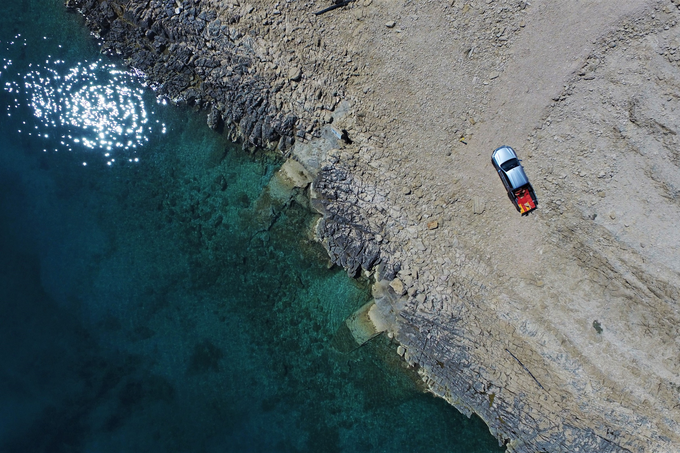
368 2
390 24
397 286
478 206
420 298
597 326
401 350
601 194
433 225
295 74
612 215
419 193
493 75
390 335
406 191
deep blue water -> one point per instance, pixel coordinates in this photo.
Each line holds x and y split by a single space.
156 295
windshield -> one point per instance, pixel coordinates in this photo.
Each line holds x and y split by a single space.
509 165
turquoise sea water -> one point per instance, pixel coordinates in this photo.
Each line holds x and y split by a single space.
154 294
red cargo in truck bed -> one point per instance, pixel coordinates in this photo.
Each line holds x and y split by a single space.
525 201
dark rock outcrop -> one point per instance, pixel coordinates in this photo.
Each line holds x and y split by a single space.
351 239
189 56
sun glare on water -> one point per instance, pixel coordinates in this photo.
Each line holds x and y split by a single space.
89 106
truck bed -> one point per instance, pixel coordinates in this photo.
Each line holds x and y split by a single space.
525 200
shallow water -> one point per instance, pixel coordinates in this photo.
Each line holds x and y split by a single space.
155 295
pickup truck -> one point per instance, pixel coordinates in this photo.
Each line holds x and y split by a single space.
511 172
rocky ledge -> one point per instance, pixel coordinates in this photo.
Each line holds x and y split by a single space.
210 54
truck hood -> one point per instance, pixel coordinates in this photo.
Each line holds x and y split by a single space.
503 154
517 177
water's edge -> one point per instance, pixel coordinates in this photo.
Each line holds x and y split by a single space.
205 56
166 297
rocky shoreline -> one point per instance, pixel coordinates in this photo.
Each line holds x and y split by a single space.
211 55
390 107
258 94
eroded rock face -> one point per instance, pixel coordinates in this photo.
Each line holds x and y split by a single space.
209 54
349 229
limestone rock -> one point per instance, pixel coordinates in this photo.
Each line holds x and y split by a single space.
398 286
296 174
478 206
295 74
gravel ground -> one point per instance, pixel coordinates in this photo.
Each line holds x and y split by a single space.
559 328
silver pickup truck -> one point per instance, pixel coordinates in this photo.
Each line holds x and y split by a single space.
511 172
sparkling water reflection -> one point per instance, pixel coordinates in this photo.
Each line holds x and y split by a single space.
92 106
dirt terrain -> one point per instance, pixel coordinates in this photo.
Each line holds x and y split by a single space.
571 313
560 328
